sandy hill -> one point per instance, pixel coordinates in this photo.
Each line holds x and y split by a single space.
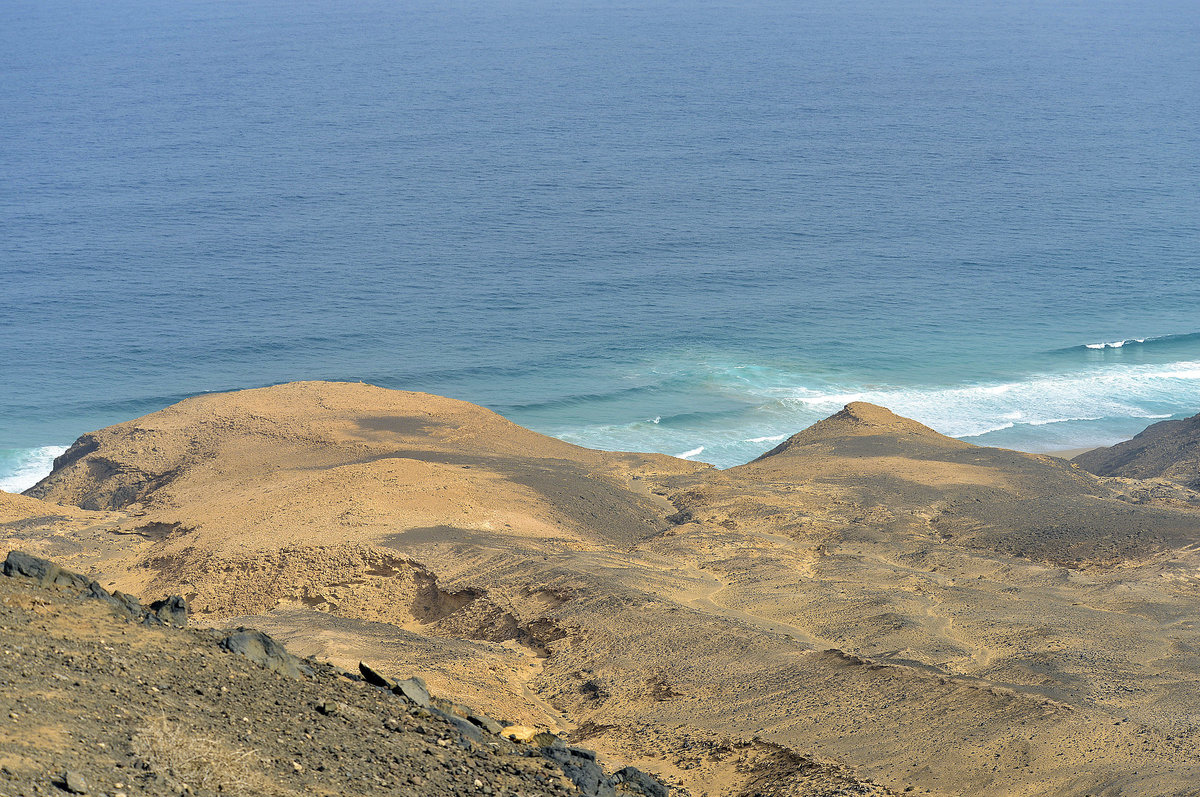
1167 450
872 600
904 473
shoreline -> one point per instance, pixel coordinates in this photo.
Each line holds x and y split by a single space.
41 460
1070 453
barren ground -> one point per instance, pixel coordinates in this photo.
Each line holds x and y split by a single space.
871 601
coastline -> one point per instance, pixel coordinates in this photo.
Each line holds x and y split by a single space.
38 463
556 586
1070 453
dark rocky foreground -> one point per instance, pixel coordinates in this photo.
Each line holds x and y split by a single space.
101 695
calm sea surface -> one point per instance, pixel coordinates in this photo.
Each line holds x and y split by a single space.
690 227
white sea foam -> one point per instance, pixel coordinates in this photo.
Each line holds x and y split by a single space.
1041 411
775 438
25 468
1116 344
988 430
1127 391
1048 421
840 399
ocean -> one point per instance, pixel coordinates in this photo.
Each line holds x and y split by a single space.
689 227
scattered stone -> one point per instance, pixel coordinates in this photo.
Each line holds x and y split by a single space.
73 782
374 678
485 722
415 690
443 748
171 611
264 651
519 733
330 708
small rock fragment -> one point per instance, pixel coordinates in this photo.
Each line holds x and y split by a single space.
487 723
374 678
415 690
73 782
520 733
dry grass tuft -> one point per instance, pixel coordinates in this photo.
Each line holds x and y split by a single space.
187 761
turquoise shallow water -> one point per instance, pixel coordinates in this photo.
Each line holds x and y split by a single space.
685 227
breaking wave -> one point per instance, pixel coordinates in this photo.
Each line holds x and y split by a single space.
1155 341
22 468
1038 412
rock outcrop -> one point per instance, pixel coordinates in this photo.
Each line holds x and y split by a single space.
1167 450
156 713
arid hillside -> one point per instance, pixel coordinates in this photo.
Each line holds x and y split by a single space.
1168 450
105 696
875 606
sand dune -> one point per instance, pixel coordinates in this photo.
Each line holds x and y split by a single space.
871 600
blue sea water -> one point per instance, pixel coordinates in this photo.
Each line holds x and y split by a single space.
690 227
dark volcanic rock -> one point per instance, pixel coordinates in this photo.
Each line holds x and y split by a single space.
583 771
487 723
632 780
44 572
415 690
469 730
171 611
265 652
375 679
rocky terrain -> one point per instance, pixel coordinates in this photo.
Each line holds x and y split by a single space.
869 608
104 697
1169 450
